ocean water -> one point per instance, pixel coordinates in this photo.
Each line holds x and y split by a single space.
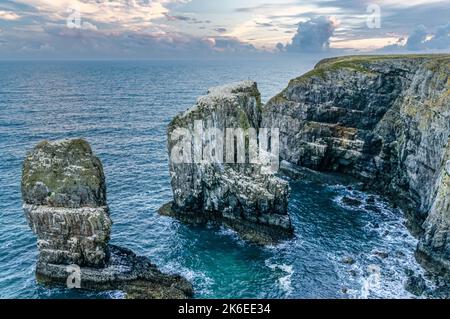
122 109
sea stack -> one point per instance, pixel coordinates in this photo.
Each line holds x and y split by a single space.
64 194
212 182
384 120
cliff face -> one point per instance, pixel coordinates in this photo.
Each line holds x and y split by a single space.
212 182
64 194
434 248
383 119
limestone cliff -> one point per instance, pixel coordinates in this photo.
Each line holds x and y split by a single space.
64 194
383 119
236 193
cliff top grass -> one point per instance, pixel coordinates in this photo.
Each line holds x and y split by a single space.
59 171
215 98
372 58
361 63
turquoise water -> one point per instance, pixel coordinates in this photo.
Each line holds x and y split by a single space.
122 109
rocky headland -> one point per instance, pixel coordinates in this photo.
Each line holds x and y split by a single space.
384 120
381 120
64 194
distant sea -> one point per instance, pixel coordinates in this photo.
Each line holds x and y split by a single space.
122 109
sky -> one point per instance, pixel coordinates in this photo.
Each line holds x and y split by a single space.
219 28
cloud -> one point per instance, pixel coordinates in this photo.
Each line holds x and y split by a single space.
280 47
220 30
37 48
113 29
231 45
441 39
58 41
8 15
264 6
185 18
313 35
181 18
170 26
117 14
421 39
89 26
416 40
264 24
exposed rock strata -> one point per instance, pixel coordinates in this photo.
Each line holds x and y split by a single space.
384 120
238 194
125 271
64 193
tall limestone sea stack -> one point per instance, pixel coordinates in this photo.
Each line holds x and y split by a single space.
64 194
64 191
215 182
382 119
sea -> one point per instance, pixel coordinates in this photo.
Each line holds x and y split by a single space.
123 108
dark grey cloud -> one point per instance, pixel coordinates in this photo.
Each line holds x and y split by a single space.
280 47
353 5
312 36
417 38
441 39
396 18
405 19
184 18
233 45
220 30
422 39
264 24
58 41
264 6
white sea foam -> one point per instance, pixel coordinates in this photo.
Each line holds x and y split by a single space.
116 294
392 254
201 281
285 282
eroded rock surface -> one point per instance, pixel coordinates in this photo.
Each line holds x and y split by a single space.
240 195
384 120
64 194
125 271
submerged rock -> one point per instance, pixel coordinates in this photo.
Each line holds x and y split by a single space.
373 208
218 182
381 254
416 285
350 201
348 260
64 194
